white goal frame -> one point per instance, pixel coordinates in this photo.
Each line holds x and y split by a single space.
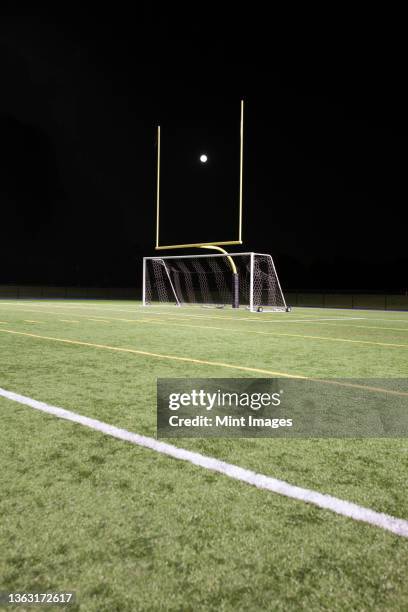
251 255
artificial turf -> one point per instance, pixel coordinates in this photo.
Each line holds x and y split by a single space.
128 529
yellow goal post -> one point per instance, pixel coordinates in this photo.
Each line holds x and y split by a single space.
213 243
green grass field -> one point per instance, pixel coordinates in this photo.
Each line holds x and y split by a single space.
130 529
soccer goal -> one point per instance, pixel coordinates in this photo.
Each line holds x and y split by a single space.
213 280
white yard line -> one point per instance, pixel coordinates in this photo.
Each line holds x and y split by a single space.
279 318
258 318
146 312
339 506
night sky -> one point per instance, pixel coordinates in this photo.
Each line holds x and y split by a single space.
81 96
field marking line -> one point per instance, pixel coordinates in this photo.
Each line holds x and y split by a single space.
274 334
257 318
210 363
150 354
31 321
260 318
380 327
389 320
68 321
263 333
53 312
324 338
98 320
136 304
403 329
397 526
86 317
177 317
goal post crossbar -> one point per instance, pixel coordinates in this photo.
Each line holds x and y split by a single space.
205 255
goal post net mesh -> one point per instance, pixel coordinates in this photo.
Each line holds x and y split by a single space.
210 280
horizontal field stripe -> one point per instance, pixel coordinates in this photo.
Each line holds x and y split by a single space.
229 329
88 304
279 318
275 334
255 318
342 507
68 321
376 327
150 354
98 320
208 363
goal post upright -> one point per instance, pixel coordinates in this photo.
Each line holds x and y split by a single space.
241 171
236 241
226 278
144 282
158 189
251 283
279 285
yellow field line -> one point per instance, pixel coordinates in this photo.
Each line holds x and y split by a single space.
279 318
30 321
264 333
403 329
149 354
108 306
235 330
218 364
68 321
344 322
52 312
255 319
89 307
97 320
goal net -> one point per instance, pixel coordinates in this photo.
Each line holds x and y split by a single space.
213 280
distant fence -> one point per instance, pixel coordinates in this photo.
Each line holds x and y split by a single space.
375 301
102 293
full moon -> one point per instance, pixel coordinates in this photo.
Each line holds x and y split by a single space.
203 159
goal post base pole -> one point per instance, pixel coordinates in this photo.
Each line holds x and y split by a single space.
235 276
235 290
